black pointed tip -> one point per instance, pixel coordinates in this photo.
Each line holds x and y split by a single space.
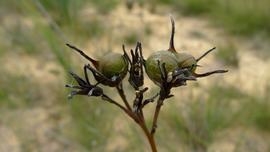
172 19
171 46
69 45
170 95
207 52
209 73
71 73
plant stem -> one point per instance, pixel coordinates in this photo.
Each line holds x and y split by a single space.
140 121
128 112
150 137
123 96
139 117
158 107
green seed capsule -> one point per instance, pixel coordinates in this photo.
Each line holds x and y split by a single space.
110 69
113 64
152 68
174 61
185 60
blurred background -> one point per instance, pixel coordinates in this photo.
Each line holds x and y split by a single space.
220 113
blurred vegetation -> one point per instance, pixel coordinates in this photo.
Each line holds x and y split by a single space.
197 123
228 54
105 6
13 93
92 123
50 24
244 17
131 38
31 32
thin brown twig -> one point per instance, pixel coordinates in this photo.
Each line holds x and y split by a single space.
123 96
155 118
139 119
150 138
146 131
138 116
138 101
107 98
141 115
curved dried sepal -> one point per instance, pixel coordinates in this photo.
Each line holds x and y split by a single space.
100 78
136 78
94 62
207 52
163 71
152 99
95 91
83 87
125 54
171 47
138 102
209 73
78 79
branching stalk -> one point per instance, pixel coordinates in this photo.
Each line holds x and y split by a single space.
139 119
123 96
166 80
155 118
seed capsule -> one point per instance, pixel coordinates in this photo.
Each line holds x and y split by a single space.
152 68
174 61
185 60
110 68
113 64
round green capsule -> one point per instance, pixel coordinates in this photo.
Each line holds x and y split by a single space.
152 68
113 64
185 60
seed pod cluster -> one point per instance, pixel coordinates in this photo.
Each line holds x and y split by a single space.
174 62
166 68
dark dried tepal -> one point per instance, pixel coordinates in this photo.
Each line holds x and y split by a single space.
166 68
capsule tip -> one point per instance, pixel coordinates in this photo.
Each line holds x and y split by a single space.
171 46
